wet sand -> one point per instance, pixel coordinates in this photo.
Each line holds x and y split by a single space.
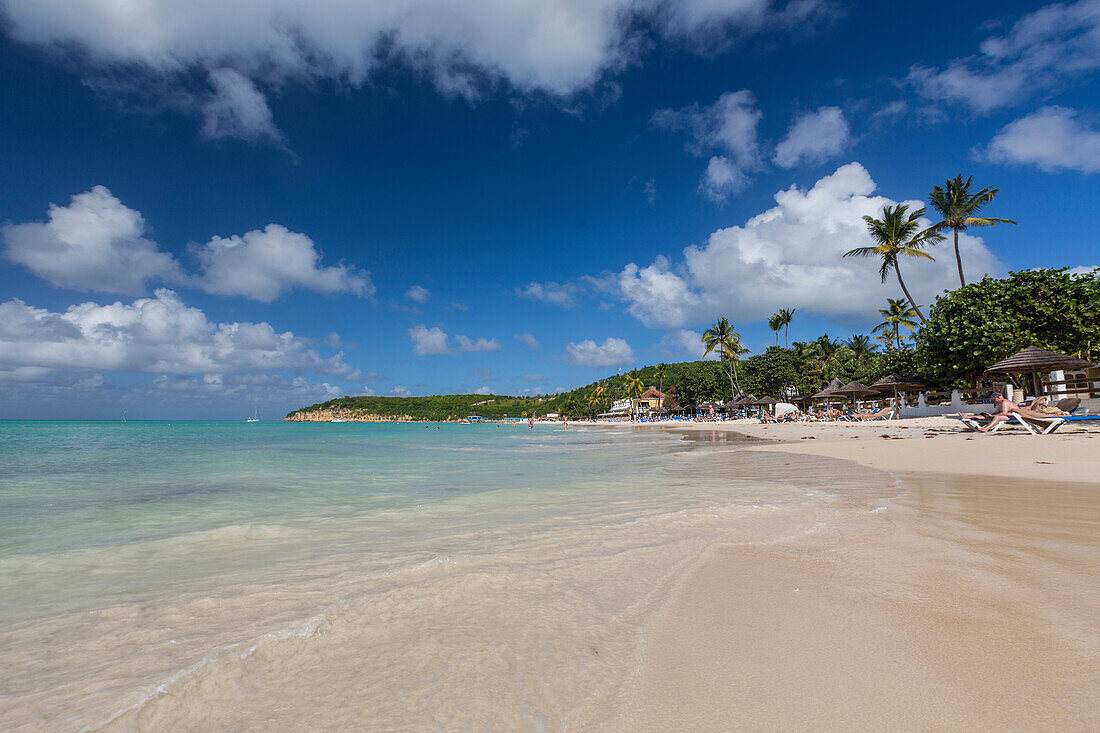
963 603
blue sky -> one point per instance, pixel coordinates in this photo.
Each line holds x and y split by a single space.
214 205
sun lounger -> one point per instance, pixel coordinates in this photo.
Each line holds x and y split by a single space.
883 413
974 424
1039 425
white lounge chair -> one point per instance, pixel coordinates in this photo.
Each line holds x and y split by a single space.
1039 425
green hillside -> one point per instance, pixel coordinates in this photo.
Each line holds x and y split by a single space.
432 408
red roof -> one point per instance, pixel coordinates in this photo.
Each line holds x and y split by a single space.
653 392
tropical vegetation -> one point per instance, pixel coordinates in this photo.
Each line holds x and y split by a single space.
897 235
959 208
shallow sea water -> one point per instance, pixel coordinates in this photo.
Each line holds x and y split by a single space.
305 575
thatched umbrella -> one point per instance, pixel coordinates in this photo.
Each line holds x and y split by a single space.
900 384
829 390
1035 361
855 389
765 401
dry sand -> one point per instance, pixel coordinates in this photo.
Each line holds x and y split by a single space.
971 601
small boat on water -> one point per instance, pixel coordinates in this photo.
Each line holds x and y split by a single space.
337 419
255 415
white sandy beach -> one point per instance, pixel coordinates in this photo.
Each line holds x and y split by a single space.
967 602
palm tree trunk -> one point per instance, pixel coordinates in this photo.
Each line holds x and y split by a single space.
786 335
905 290
958 261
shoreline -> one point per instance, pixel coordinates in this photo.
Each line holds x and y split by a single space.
966 601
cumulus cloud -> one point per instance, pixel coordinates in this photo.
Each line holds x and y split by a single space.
1043 48
790 256
401 391
98 243
559 47
680 343
531 342
1052 138
813 138
465 343
483 390
236 108
418 293
428 341
611 352
721 179
1083 269
158 335
94 243
564 295
266 264
728 127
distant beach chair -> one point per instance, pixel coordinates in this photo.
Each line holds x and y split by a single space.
882 413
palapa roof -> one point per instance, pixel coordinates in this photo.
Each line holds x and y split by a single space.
828 391
765 401
855 388
894 381
653 392
1034 359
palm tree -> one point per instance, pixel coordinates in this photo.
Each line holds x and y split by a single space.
828 354
860 346
896 234
634 387
722 337
958 207
786 315
897 313
775 323
659 373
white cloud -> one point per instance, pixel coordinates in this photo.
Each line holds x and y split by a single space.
729 127
459 307
557 46
159 335
465 343
428 341
1051 138
655 294
721 179
563 295
1053 43
531 341
94 243
418 293
791 256
813 138
264 265
400 391
650 190
611 352
236 108
680 343
1083 269
483 390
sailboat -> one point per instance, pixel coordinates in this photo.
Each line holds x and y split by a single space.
255 415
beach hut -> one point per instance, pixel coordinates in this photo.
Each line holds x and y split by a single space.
1036 361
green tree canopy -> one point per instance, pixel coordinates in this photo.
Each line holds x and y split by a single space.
972 327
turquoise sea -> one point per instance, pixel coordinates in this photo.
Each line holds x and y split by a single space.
214 574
